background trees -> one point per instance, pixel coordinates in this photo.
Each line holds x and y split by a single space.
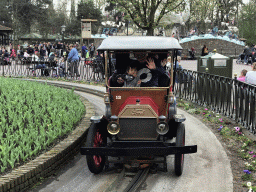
247 23
87 10
21 15
25 16
5 18
215 11
203 14
200 11
146 14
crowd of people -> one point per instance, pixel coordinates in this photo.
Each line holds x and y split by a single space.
213 31
53 53
248 55
44 49
61 52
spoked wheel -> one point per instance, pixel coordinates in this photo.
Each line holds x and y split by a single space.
180 141
95 138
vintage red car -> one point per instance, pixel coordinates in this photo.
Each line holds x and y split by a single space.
140 124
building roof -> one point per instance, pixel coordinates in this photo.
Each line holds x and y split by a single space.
214 56
4 28
31 36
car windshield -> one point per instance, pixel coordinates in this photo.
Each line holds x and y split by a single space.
142 59
140 69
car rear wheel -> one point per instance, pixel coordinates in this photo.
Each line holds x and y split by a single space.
180 141
95 138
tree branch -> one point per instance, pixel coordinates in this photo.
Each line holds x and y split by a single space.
137 8
159 2
144 8
163 11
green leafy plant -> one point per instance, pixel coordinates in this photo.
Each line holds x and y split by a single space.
247 177
32 117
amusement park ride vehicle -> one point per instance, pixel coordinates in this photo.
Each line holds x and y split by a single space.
140 123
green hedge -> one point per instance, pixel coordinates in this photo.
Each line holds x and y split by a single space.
32 117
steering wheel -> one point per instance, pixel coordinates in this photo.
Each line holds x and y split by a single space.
145 75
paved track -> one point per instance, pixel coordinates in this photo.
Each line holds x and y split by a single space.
207 170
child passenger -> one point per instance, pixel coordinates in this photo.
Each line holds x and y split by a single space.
132 80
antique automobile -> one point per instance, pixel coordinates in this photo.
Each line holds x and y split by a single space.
140 125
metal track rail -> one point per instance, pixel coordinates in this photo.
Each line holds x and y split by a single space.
138 179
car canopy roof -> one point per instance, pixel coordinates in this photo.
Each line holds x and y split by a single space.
139 43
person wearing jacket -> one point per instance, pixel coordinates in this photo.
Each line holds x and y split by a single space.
84 51
251 75
73 54
6 57
246 54
204 51
30 50
73 58
13 54
92 49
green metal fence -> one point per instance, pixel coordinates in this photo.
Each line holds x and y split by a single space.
233 98
224 95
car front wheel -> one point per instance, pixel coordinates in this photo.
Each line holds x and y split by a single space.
180 141
95 138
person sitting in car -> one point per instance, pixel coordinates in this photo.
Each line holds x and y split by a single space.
160 77
156 66
131 77
151 62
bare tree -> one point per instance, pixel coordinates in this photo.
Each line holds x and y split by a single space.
146 14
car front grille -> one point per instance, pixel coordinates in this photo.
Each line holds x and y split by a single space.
137 129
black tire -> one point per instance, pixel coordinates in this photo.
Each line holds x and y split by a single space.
95 138
172 129
180 141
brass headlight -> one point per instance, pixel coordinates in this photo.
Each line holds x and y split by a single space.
162 128
171 99
113 128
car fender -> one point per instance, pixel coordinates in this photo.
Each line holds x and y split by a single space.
107 111
172 109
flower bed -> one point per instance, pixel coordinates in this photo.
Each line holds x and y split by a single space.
240 149
33 117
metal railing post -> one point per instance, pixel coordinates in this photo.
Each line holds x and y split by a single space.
3 69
